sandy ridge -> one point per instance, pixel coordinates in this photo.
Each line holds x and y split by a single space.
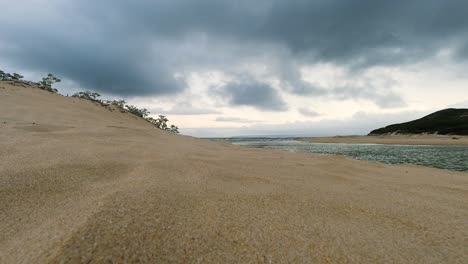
91 185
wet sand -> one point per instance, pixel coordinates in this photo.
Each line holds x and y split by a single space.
82 184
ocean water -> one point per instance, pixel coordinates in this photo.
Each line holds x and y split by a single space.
443 157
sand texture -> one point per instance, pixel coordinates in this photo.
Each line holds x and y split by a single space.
395 140
83 184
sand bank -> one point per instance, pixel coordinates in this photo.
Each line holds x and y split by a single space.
395 140
79 183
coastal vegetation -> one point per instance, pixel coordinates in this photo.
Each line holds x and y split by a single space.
450 121
47 82
10 76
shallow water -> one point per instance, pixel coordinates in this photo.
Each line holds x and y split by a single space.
443 157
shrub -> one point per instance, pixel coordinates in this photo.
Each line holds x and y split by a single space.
119 103
10 77
16 77
92 96
46 83
136 111
161 123
174 129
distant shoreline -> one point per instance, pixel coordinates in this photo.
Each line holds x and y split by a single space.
394 140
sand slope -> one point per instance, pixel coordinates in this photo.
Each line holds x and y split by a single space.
87 185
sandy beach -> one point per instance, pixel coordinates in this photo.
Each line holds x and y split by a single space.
82 184
395 140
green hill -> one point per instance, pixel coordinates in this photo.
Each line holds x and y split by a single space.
444 122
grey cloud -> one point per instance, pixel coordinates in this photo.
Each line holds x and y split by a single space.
369 32
101 65
134 48
183 108
359 31
235 120
382 98
291 80
309 113
189 109
352 85
250 93
390 100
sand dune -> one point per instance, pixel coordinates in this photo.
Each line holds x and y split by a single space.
82 184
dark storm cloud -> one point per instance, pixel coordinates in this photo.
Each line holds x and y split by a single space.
107 65
368 32
359 32
250 93
136 47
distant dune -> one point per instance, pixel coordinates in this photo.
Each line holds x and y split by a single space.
83 184
445 127
444 122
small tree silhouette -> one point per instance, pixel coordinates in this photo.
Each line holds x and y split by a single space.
118 103
10 77
174 129
136 111
161 122
92 96
47 82
15 77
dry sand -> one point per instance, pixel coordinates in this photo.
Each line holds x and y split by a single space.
395 140
82 184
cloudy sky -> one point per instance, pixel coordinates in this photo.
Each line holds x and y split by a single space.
263 67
